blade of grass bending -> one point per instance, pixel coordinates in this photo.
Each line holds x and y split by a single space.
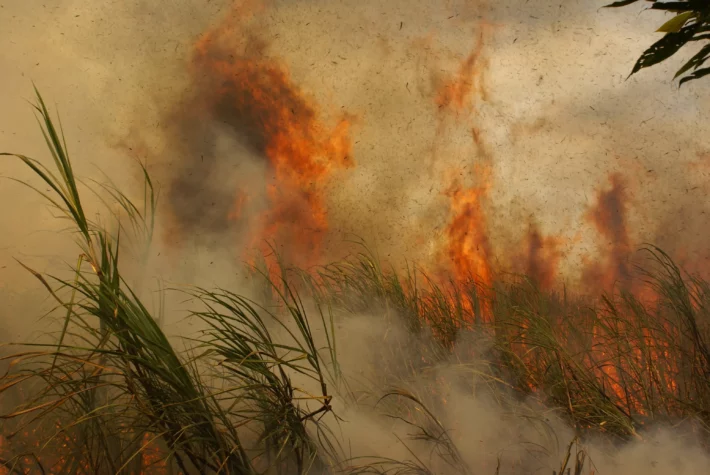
60 154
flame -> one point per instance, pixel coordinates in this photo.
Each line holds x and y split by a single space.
609 216
467 244
468 247
255 97
458 92
541 257
604 366
153 459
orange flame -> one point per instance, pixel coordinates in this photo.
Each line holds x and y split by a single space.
457 92
256 98
468 244
153 459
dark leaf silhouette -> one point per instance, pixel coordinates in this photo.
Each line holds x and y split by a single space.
696 75
665 48
696 5
690 24
695 62
621 3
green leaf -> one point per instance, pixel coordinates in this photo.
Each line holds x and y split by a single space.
675 24
664 48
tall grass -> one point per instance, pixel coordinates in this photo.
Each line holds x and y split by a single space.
113 377
254 393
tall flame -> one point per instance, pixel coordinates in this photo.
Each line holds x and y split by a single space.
256 98
468 246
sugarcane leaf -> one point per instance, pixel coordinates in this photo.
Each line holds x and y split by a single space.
621 3
695 62
697 5
664 48
675 24
696 75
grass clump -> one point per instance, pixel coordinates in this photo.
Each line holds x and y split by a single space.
113 383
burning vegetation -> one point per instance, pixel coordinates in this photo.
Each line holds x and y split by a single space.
609 219
283 376
114 395
254 99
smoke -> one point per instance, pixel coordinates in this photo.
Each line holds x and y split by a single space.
257 105
540 259
609 218
551 124
489 426
423 127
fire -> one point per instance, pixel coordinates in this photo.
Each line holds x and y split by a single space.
258 101
468 246
541 258
604 366
153 459
609 216
456 93
254 96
